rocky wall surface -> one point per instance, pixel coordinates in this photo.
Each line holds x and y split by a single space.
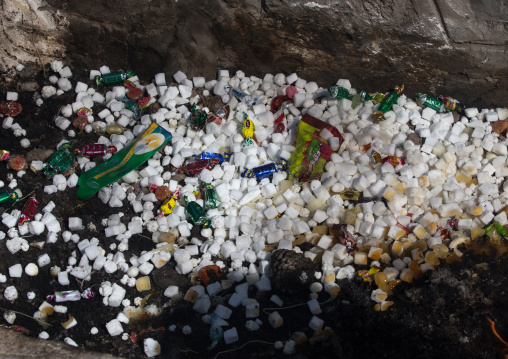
19 346
456 47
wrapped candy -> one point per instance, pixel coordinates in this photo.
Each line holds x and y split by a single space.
452 104
445 231
70 295
197 118
162 193
59 161
376 157
97 149
197 214
224 112
243 97
7 198
247 131
209 155
84 111
431 102
210 197
115 129
394 161
132 105
496 233
367 275
4 155
169 204
28 210
348 195
387 103
135 93
265 171
338 92
144 102
277 102
375 97
213 118
194 168
340 232
10 108
113 77
80 122
14 162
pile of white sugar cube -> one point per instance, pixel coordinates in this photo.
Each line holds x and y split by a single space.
457 173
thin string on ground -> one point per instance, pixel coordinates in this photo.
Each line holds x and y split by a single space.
296 305
42 322
240 347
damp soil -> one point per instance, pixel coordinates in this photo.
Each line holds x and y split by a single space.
444 314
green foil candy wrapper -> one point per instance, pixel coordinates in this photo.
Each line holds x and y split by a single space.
59 161
197 214
338 92
387 103
7 198
124 161
496 233
210 198
431 102
113 77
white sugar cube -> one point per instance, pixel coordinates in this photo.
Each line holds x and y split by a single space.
223 312
264 285
471 112
324 242
202 305
231 336
16 271
114 327
63 278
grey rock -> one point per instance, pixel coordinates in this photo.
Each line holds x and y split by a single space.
455 47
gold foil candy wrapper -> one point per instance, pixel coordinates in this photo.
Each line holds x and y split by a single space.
399 89
378 115
377 97
376 157
348 195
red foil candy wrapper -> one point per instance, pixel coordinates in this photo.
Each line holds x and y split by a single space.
213 118
279 126
277 103
135 93
394 161
84 111
143 102
10 108
404 228
97 149
194 168
291 91
29 210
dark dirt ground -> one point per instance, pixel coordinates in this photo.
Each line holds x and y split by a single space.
442 315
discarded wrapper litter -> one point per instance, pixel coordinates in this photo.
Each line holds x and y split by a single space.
124 161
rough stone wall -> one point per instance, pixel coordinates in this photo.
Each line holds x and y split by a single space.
456 47
19 346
